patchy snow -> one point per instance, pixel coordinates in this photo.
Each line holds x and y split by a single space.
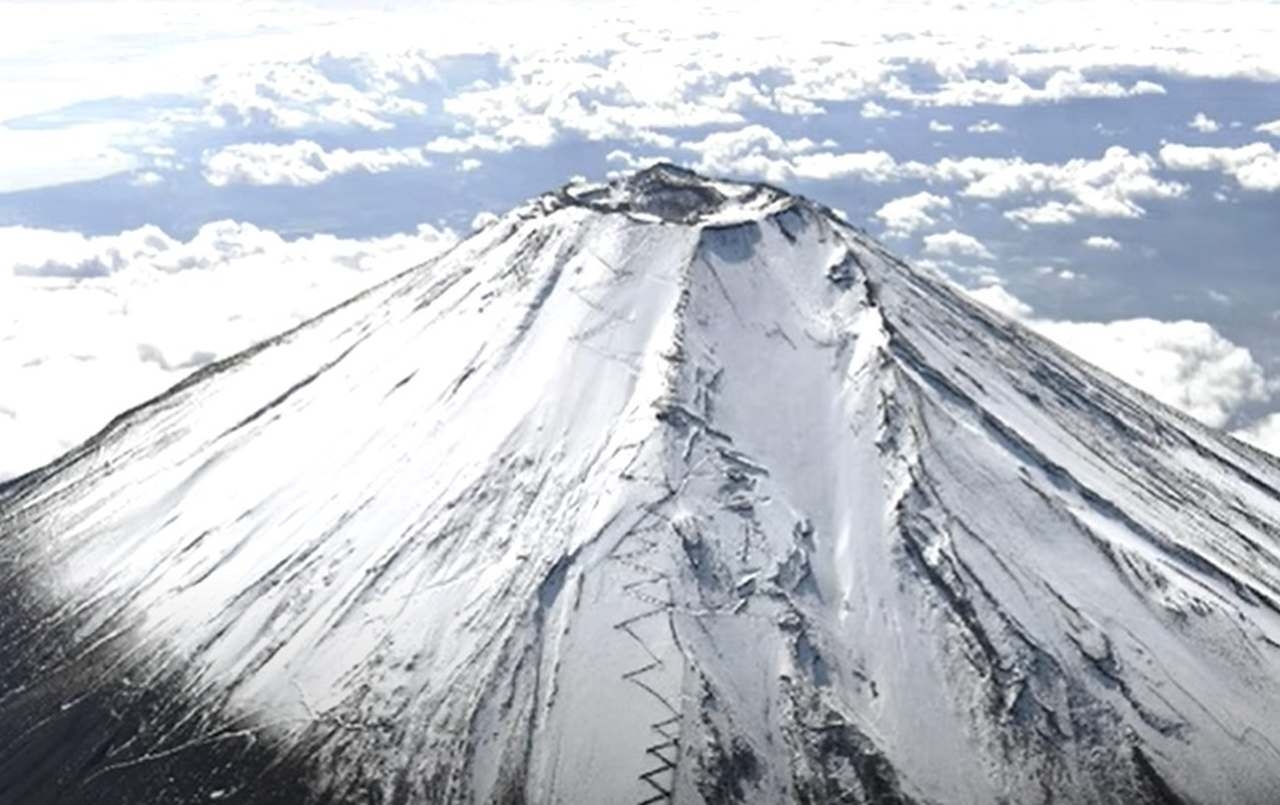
663 490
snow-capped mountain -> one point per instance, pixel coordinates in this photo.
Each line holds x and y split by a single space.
667 490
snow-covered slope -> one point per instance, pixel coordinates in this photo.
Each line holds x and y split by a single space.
665 491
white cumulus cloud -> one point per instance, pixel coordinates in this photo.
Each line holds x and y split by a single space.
483 219
1255 166
1263 434
955 244
869 166
984 126
1203 123
90 326
296 95
622 72
31 158
1102 242
1108 187
874 111
1186 364
909 214
301 163
1013 90
753 150
998 298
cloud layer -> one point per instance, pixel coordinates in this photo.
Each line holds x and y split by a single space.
298 93
92 325
621 72
1186 364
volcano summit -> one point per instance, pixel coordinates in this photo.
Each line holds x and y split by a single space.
666 490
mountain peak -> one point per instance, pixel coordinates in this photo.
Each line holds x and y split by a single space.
673 194
667 490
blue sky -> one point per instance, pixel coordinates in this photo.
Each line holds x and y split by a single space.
180 179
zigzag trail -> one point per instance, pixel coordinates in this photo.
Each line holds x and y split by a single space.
658 668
